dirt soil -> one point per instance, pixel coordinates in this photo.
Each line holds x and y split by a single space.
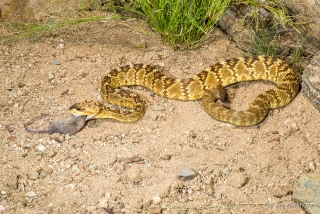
114 167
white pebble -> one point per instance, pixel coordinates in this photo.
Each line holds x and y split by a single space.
41 148
312 166
31 194
157 108
156 199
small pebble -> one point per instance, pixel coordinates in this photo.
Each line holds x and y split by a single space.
74 152
312 166
12 182
209 181
51 153
28 146
226 171
154 210
67 136
21 197
156 199
31 194
237 180
113 160
57 63
219 195
103 203
165 157
156 107
185 174
2 208
77 179
190 191
91 208
47 171
50 76
134 175
41 148
115 178
51 97
34 175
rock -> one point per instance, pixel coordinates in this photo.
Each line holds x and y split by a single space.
2 208
226 171
236 29
185 174
67 136
113 160
136 204
74 152
51 97
134 175
154 210
77 179
68 180
33 175
312 166
311 81
41 148
237 179
103 203
115 178
12 182
91 208
309 10
50 76
16 11
307 192
165 192
156 107
31 194
165 157
156 199
209 181
232 22
57 63
219 194
47 171
21 197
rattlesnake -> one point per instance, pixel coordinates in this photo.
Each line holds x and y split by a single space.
200 86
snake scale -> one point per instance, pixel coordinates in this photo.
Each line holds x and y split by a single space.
203 85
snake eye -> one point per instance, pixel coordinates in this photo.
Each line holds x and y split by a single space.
76 107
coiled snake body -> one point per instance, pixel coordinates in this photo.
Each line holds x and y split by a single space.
200 86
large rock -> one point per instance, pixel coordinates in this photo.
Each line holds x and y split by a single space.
311 81
16 10
310 13
236 30
32 10
233 23
307 193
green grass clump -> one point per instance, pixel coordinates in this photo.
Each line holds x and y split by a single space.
265 42
181 23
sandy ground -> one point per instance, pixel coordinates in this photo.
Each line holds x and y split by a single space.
114 167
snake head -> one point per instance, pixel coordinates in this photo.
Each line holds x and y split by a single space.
87 108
